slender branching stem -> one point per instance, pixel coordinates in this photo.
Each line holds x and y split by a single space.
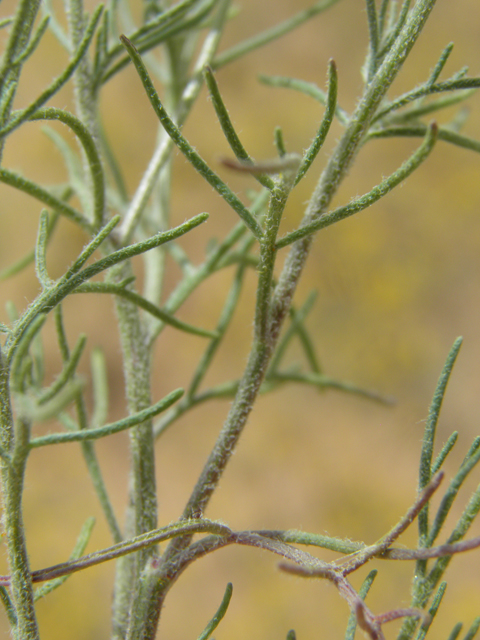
14 443
12 62
176 45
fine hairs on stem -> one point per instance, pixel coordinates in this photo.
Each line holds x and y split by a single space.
173 54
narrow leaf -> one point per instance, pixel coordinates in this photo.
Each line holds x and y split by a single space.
228 128
34 42
21 116
296 326
444 133
324 128
100 388
455 631
437 70
226 315
472 632
79 548
20 357
429 433
373 38
143 303
192 156
359 204
363 591
425 89
9 607
469 514
215 621
447 447
36 191
90 248
41 251
109 429
280 142
308 89
73 166
270 35
67 373
432 612
91 152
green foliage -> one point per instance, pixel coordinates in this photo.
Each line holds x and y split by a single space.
178 43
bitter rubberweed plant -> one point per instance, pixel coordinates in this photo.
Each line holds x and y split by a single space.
177 46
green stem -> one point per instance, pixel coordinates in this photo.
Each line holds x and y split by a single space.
142 490
32 189
185 147
378 192
259 358
270 315
132 420
91 153
262 349
14 441
344 154
11 61
18 117
85 89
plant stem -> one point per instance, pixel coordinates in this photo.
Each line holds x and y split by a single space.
142 511
271 310
11 66
14 442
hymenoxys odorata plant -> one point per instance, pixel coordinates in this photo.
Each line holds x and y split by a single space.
179 44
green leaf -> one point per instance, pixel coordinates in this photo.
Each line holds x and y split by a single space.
19 117
455 631
228 128
143 303
317 143
359 204
67 374
91 153
425 471
363 592
109 429
78 550
185 147
36 191
41 251
100 388
215 621
472 632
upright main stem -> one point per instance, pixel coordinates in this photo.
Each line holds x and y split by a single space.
14 443
142 502
271 310
132 616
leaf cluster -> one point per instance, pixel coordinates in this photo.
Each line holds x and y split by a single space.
119 227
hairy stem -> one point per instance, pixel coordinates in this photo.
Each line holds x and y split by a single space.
11 68
142 509
14 443
271 310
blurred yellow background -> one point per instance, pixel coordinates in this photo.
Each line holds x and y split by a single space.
397 284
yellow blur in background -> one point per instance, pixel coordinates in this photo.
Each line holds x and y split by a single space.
397 284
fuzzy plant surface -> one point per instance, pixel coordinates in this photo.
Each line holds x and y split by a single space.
175 49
